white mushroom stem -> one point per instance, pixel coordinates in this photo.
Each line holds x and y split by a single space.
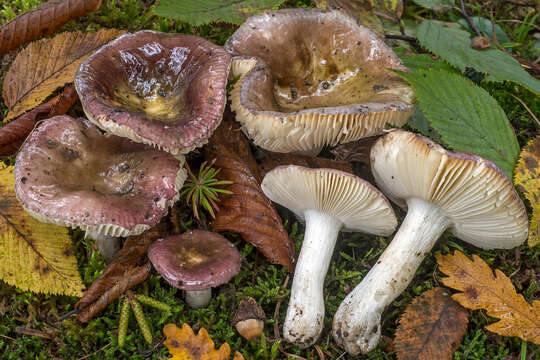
107 245
305 314
197 299
356 324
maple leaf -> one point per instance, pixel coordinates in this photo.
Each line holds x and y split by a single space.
492 291
53 63
43 20
183 344
246 210
35 256
431 327
527 180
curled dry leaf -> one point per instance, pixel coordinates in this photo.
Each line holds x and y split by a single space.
42 21
13 134
431 327
128 268
34 256
268 160
53 63
183 344
527 180
247 210
483 288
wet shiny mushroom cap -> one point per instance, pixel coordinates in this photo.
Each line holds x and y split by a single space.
195 260
162 89
69 173
317 73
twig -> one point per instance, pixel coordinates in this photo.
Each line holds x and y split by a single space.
68 314
95 352
320 352
468 19
401 37
32 332
525 106
7 337
277 336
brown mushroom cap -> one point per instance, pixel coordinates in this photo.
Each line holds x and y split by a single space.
195 260
314 78
473 192
69 173
168 90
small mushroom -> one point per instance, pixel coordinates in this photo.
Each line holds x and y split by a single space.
168 90
328 200
70 174
195 261
312 77
249 318
461 192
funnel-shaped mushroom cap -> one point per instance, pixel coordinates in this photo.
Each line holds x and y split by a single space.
319 79
195 260
162 89
473 192
69 173
355 202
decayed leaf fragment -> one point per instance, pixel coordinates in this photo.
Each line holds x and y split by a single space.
527 180
183 344
492 291
53 63
247 210
34 256
42 20
431 327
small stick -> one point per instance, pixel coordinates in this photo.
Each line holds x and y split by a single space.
32 332
468 19
526 108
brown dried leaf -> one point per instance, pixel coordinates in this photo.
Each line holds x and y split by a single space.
42 21
268 160
183 344
13 134
247 210
492 291
53 63
355 151
128 268
431 327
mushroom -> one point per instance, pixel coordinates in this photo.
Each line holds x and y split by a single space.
195 262
70 174
249 319
328 200
461 192
313 77
168 90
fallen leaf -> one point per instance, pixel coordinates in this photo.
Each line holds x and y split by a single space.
268 160
183 344
53 63
431 327
128 268
492 291
42 21
247 210
527 180
13 134
35 256
355 151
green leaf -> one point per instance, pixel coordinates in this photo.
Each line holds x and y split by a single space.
466 116
485 26
422 61
200 12
419 123
436 5
454 45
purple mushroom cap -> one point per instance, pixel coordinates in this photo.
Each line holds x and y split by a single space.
69 173
168 90
195 260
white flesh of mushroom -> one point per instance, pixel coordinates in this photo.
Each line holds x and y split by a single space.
197 299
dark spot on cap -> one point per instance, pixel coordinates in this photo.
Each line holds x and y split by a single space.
69 154
23 180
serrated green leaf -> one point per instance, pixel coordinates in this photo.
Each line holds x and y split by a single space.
422 61
420 123
437 5
200 12
466 116
454 45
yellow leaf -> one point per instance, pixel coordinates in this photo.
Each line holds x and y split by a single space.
527 180
47 64
33 255
183 344
481 288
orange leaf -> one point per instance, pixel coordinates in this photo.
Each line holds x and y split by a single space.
492 291
431 327
183 344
